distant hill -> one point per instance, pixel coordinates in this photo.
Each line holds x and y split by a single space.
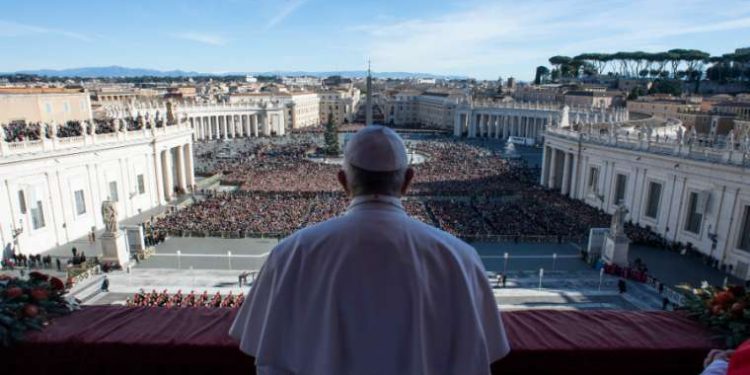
119 71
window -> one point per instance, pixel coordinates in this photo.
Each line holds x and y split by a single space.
80 202
22 201
654 198
744 242
694 214
141 185
66 106
113 191
620 184
37 216
593 179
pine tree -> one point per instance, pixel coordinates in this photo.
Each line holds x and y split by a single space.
331 137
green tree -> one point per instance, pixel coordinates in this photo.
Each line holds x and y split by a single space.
331 137
541 73
666 86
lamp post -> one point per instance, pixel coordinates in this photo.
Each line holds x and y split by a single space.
179 261
554 261
505 265
601 277
16 232
229 259
541 275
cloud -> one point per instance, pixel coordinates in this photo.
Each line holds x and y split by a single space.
212 39
15 29
493 37
288 7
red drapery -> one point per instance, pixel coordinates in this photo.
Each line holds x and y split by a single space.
120 340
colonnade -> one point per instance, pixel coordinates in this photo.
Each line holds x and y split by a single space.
500 126
559 168
224 126
527 121
174 171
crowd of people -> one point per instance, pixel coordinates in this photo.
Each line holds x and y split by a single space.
192 299
20 131
466 189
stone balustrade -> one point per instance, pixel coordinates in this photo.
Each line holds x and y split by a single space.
716 149
62 143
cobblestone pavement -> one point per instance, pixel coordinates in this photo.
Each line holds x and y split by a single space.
560 290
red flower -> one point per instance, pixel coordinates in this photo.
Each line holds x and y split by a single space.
39 294
723 298
14 292
38 276
30 310
56 283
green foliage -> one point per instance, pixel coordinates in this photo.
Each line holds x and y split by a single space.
666 86
541 73
725 310
29 304
635 93
331 137
651 64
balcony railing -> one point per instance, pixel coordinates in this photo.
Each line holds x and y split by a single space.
63 143
123 340
700 148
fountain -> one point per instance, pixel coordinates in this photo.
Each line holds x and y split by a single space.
510 150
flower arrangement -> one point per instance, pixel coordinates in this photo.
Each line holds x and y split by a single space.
29 304
725 310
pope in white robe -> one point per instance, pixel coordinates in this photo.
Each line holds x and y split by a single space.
373 291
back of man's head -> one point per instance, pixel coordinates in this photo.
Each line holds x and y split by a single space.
375 162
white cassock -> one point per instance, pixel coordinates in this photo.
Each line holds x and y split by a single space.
371 292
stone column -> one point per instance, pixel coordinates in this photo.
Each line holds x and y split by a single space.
574 177
505 127
552 168
565 189
265 122
181 168
167 171
232 126
189 172
545 166
457 124
158 163
473 125
254 125
224 127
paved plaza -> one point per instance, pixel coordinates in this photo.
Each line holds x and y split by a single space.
203 264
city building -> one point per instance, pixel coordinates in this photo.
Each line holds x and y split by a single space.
664 106
302 107
43 105
687 193
340 104
588 98
525 120
54 187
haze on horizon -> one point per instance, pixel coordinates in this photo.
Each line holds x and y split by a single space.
478 38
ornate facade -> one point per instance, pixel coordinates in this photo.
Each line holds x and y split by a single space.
686 188
52 187
527 120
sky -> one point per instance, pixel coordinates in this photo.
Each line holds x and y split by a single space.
476 38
